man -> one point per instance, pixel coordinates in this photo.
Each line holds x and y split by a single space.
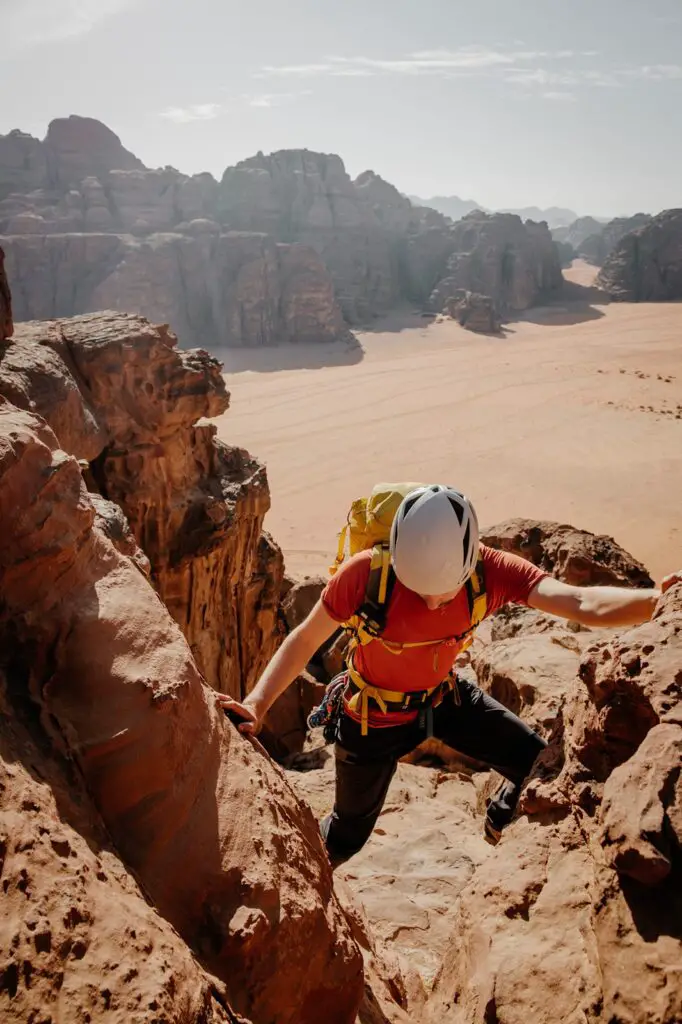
434 548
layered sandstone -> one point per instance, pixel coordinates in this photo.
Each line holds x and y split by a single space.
599 245
119 394
234 289
81 213
299 195
646 264
211 828
514 262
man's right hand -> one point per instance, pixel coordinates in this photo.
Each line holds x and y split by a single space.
249 713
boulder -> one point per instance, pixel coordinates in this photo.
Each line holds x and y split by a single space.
574 556
473 311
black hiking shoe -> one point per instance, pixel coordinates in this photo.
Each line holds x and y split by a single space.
500 811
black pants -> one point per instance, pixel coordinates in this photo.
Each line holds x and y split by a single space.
468 720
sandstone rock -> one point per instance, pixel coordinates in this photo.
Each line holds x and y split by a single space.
498 255
301 598
231 289
424 850
597 247
391 209
516 619
78 938
121 395
575 234
144 201
23 163
546 914
110 520
285 727
642 808
646 264
530 675
6 323
213 831
81 147
301 196
56 275
473 311
574 556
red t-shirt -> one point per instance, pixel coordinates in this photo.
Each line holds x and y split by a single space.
508 578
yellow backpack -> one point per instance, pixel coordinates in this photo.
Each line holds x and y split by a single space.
368 525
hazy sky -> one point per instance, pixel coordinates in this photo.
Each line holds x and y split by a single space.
511 102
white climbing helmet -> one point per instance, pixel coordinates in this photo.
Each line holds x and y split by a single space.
434 540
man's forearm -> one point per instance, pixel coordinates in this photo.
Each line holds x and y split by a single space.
285 666
617 606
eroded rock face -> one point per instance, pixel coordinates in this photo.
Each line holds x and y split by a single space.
6 324
646 264
574 556
78 938
209 825
301 196
221 289
122 396
77 147
566 905
499 255
598 245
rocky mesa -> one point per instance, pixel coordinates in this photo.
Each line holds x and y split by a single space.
286 247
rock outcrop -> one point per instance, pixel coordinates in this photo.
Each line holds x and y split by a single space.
499 255
577 916
261 258
473 311
119 393
6 323
575 234
211 828
87 227
597 247
646 264
301 196
78 938
574 556
234 289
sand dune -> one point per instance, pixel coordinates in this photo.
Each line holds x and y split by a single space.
574 415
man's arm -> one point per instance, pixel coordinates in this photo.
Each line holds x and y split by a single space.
286 665
598 606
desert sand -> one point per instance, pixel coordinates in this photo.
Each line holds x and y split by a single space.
574 415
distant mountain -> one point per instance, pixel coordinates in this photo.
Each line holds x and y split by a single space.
556 216
450 206
456 208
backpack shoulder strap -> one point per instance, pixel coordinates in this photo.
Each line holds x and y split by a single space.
380 583
475 588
